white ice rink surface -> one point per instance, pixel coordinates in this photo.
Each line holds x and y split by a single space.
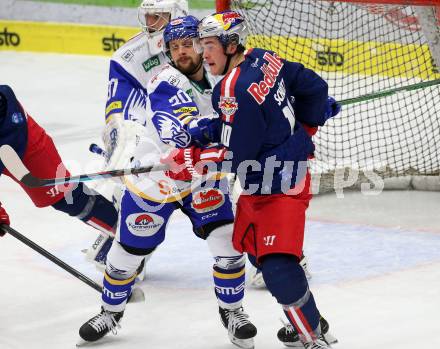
375 259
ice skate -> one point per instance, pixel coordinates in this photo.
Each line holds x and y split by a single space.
99 325
241 331
290 337
320 343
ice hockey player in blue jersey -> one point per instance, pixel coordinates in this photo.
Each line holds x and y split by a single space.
179 100
268 110
38 153
131 67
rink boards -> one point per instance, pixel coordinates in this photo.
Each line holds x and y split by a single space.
330 55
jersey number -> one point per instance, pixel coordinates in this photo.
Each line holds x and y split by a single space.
290 115
112 88
226 134
180 98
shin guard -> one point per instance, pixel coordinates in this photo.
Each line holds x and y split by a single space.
286 280
229 282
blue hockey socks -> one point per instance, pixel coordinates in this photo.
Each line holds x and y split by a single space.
115 292
286 280
229 286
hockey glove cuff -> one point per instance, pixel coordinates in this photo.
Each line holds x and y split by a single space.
332 109
4 218
188 163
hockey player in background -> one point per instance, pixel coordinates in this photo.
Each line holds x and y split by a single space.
179 100
268 109
131 67
38 153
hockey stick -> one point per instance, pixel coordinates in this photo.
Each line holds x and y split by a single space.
390 92
96 149
136 295
51 257
13 163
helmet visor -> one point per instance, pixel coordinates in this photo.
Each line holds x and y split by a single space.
153 20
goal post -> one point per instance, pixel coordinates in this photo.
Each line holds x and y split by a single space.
363 48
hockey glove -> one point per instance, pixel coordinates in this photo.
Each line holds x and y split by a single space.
204 130
120 139
4 219
333 108
188 163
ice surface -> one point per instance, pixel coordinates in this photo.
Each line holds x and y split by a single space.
375 260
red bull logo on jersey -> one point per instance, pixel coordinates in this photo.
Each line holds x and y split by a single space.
270 70
228 106
142 224
207 200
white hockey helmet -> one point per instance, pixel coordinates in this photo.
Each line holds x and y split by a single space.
228 26
175 8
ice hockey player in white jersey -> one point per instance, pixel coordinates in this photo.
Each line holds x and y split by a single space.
131 67
177 97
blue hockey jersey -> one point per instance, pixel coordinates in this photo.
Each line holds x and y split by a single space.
13 125
264 104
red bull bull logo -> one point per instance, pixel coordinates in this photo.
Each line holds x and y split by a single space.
228 106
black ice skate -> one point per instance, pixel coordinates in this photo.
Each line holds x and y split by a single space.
290 337
241 331
99 325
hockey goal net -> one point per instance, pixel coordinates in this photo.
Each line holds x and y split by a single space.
363 48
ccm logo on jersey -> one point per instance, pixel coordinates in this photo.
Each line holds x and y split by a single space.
270 73
207 200
142 224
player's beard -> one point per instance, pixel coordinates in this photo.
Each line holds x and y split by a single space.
188 66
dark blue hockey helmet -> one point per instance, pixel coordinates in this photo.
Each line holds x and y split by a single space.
181 28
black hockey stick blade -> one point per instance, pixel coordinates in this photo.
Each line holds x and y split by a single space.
13 163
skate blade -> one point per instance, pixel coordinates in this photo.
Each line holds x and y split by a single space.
297 344
98 343
329 338
82 343
242 343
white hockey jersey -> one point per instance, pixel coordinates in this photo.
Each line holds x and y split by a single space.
131 67
172 102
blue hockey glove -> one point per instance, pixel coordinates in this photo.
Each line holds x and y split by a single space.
203 130
333 108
